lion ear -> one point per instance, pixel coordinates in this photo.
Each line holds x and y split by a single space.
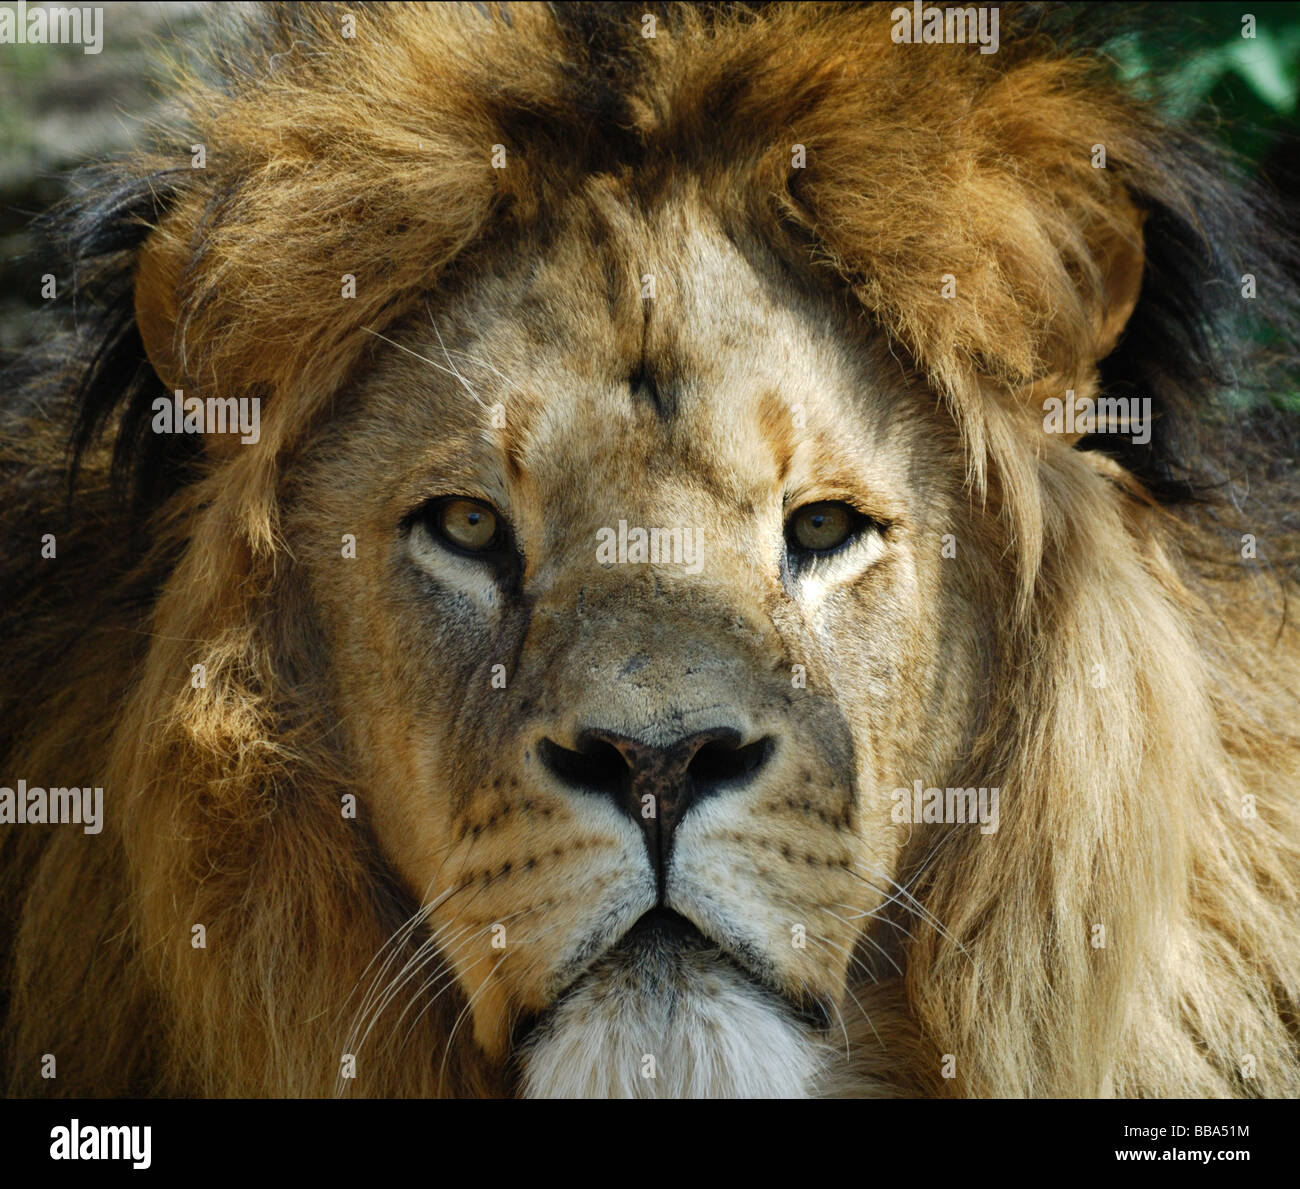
1120 254
157 281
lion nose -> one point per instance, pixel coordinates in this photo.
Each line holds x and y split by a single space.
656 785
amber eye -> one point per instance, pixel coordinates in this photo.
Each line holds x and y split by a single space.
467 524
824 527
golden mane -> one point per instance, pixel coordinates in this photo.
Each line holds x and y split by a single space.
1143 712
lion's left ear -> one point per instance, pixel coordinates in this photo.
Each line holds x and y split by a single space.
1119 252
157 280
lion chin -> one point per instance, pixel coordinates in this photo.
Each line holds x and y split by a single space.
666 1014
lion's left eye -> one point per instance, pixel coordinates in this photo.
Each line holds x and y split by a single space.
467 524
823 527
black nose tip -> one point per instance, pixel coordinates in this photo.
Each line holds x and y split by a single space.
655 786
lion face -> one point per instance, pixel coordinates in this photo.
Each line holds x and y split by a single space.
643 796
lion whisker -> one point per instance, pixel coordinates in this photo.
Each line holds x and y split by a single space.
404 931
523 976
376 1001
434 939
871 914
451 371
472 358
428 951
398 937
454 369
447 967
905 898
829 947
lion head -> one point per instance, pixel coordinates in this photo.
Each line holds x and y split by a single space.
647 687
606 609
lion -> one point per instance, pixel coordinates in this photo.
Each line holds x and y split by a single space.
655 551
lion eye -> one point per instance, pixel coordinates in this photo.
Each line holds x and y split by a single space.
824 527
467 524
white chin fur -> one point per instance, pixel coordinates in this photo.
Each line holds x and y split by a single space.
692 1020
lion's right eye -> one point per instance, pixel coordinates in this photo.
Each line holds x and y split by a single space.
467 525
823 527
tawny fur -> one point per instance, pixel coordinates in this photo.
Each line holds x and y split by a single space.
1162 804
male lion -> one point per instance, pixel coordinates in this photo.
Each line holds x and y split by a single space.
663 552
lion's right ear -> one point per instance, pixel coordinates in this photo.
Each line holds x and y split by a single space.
157 283
1119 251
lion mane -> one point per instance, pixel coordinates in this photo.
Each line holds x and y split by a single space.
1133 928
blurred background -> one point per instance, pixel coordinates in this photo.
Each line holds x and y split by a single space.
60 107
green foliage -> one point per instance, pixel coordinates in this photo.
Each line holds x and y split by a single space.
1205 68
1194 61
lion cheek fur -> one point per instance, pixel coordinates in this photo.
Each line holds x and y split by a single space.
687 1026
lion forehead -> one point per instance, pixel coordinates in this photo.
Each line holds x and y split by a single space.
655 364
